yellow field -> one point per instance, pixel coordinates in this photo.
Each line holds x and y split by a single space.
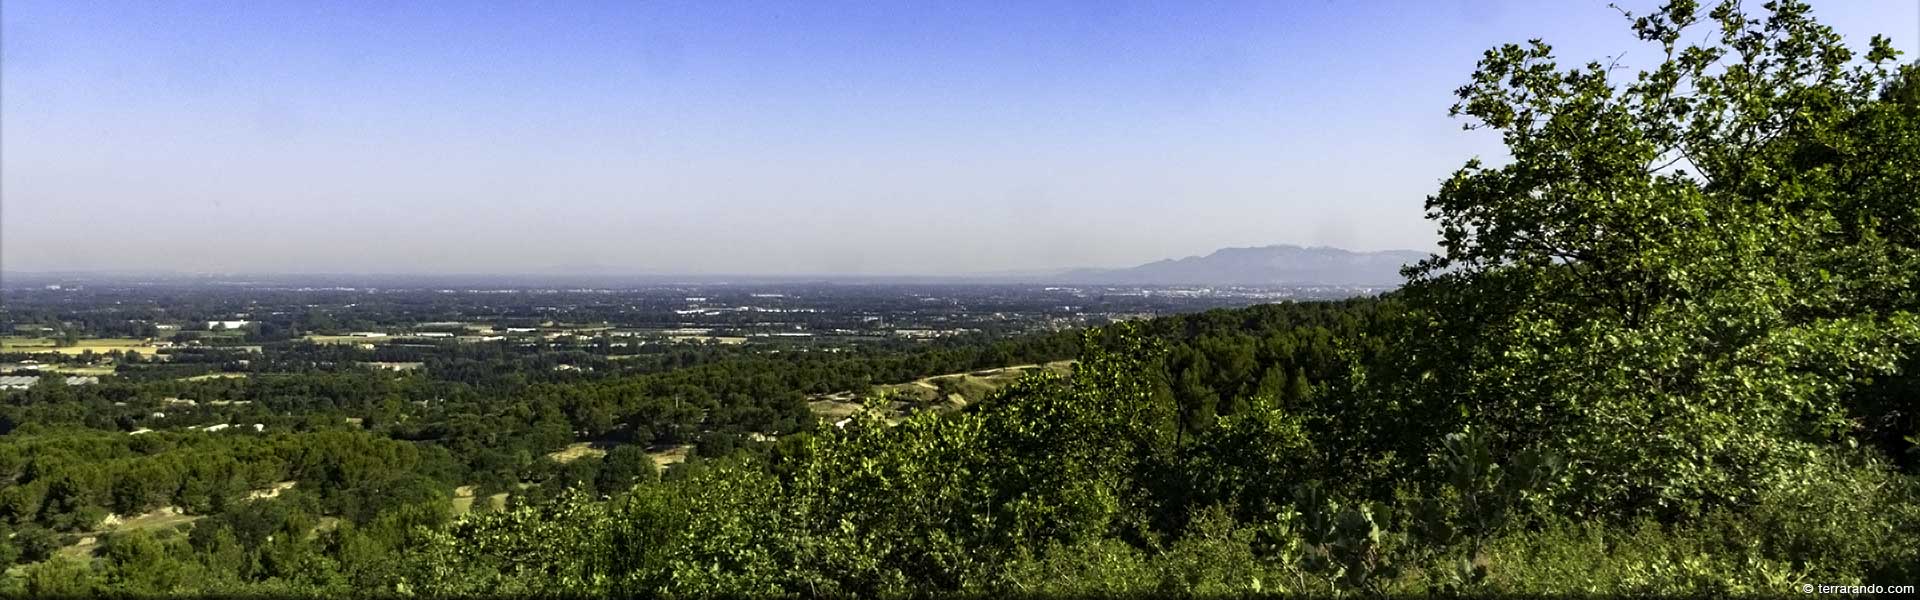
707 338
663 458
346 339
14 343
576 451
215 376
967 388
463 500
82 371
351 340
671 456
973 386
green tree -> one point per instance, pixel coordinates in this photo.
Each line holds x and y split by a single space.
1679 276
625 466
35 543
137 563
9 553
62 578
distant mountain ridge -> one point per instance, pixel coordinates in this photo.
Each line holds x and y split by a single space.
1280 264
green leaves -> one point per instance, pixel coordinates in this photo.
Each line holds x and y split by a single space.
1656 334
1662 284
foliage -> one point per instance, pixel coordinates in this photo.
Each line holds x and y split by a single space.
1667 348
1677 280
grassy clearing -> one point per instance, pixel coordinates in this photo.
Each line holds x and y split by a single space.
272 491
971 387
670 456
350 340
346 339
81 371
11 343
326 524
701 339
576 451
960 389
215 376
463 500
166 517
834 408
160 519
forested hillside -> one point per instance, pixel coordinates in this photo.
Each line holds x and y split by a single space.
1669 345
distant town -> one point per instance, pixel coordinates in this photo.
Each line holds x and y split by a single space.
85 331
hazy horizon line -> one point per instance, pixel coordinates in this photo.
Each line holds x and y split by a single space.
600 270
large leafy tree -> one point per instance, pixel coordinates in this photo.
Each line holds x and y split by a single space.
1678 277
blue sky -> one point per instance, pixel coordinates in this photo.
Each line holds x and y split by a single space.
702 137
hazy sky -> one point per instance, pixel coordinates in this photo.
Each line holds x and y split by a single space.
783 137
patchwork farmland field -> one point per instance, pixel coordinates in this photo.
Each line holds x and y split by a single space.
96 345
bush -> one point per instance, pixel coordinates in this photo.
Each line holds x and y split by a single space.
1846 515
35 543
